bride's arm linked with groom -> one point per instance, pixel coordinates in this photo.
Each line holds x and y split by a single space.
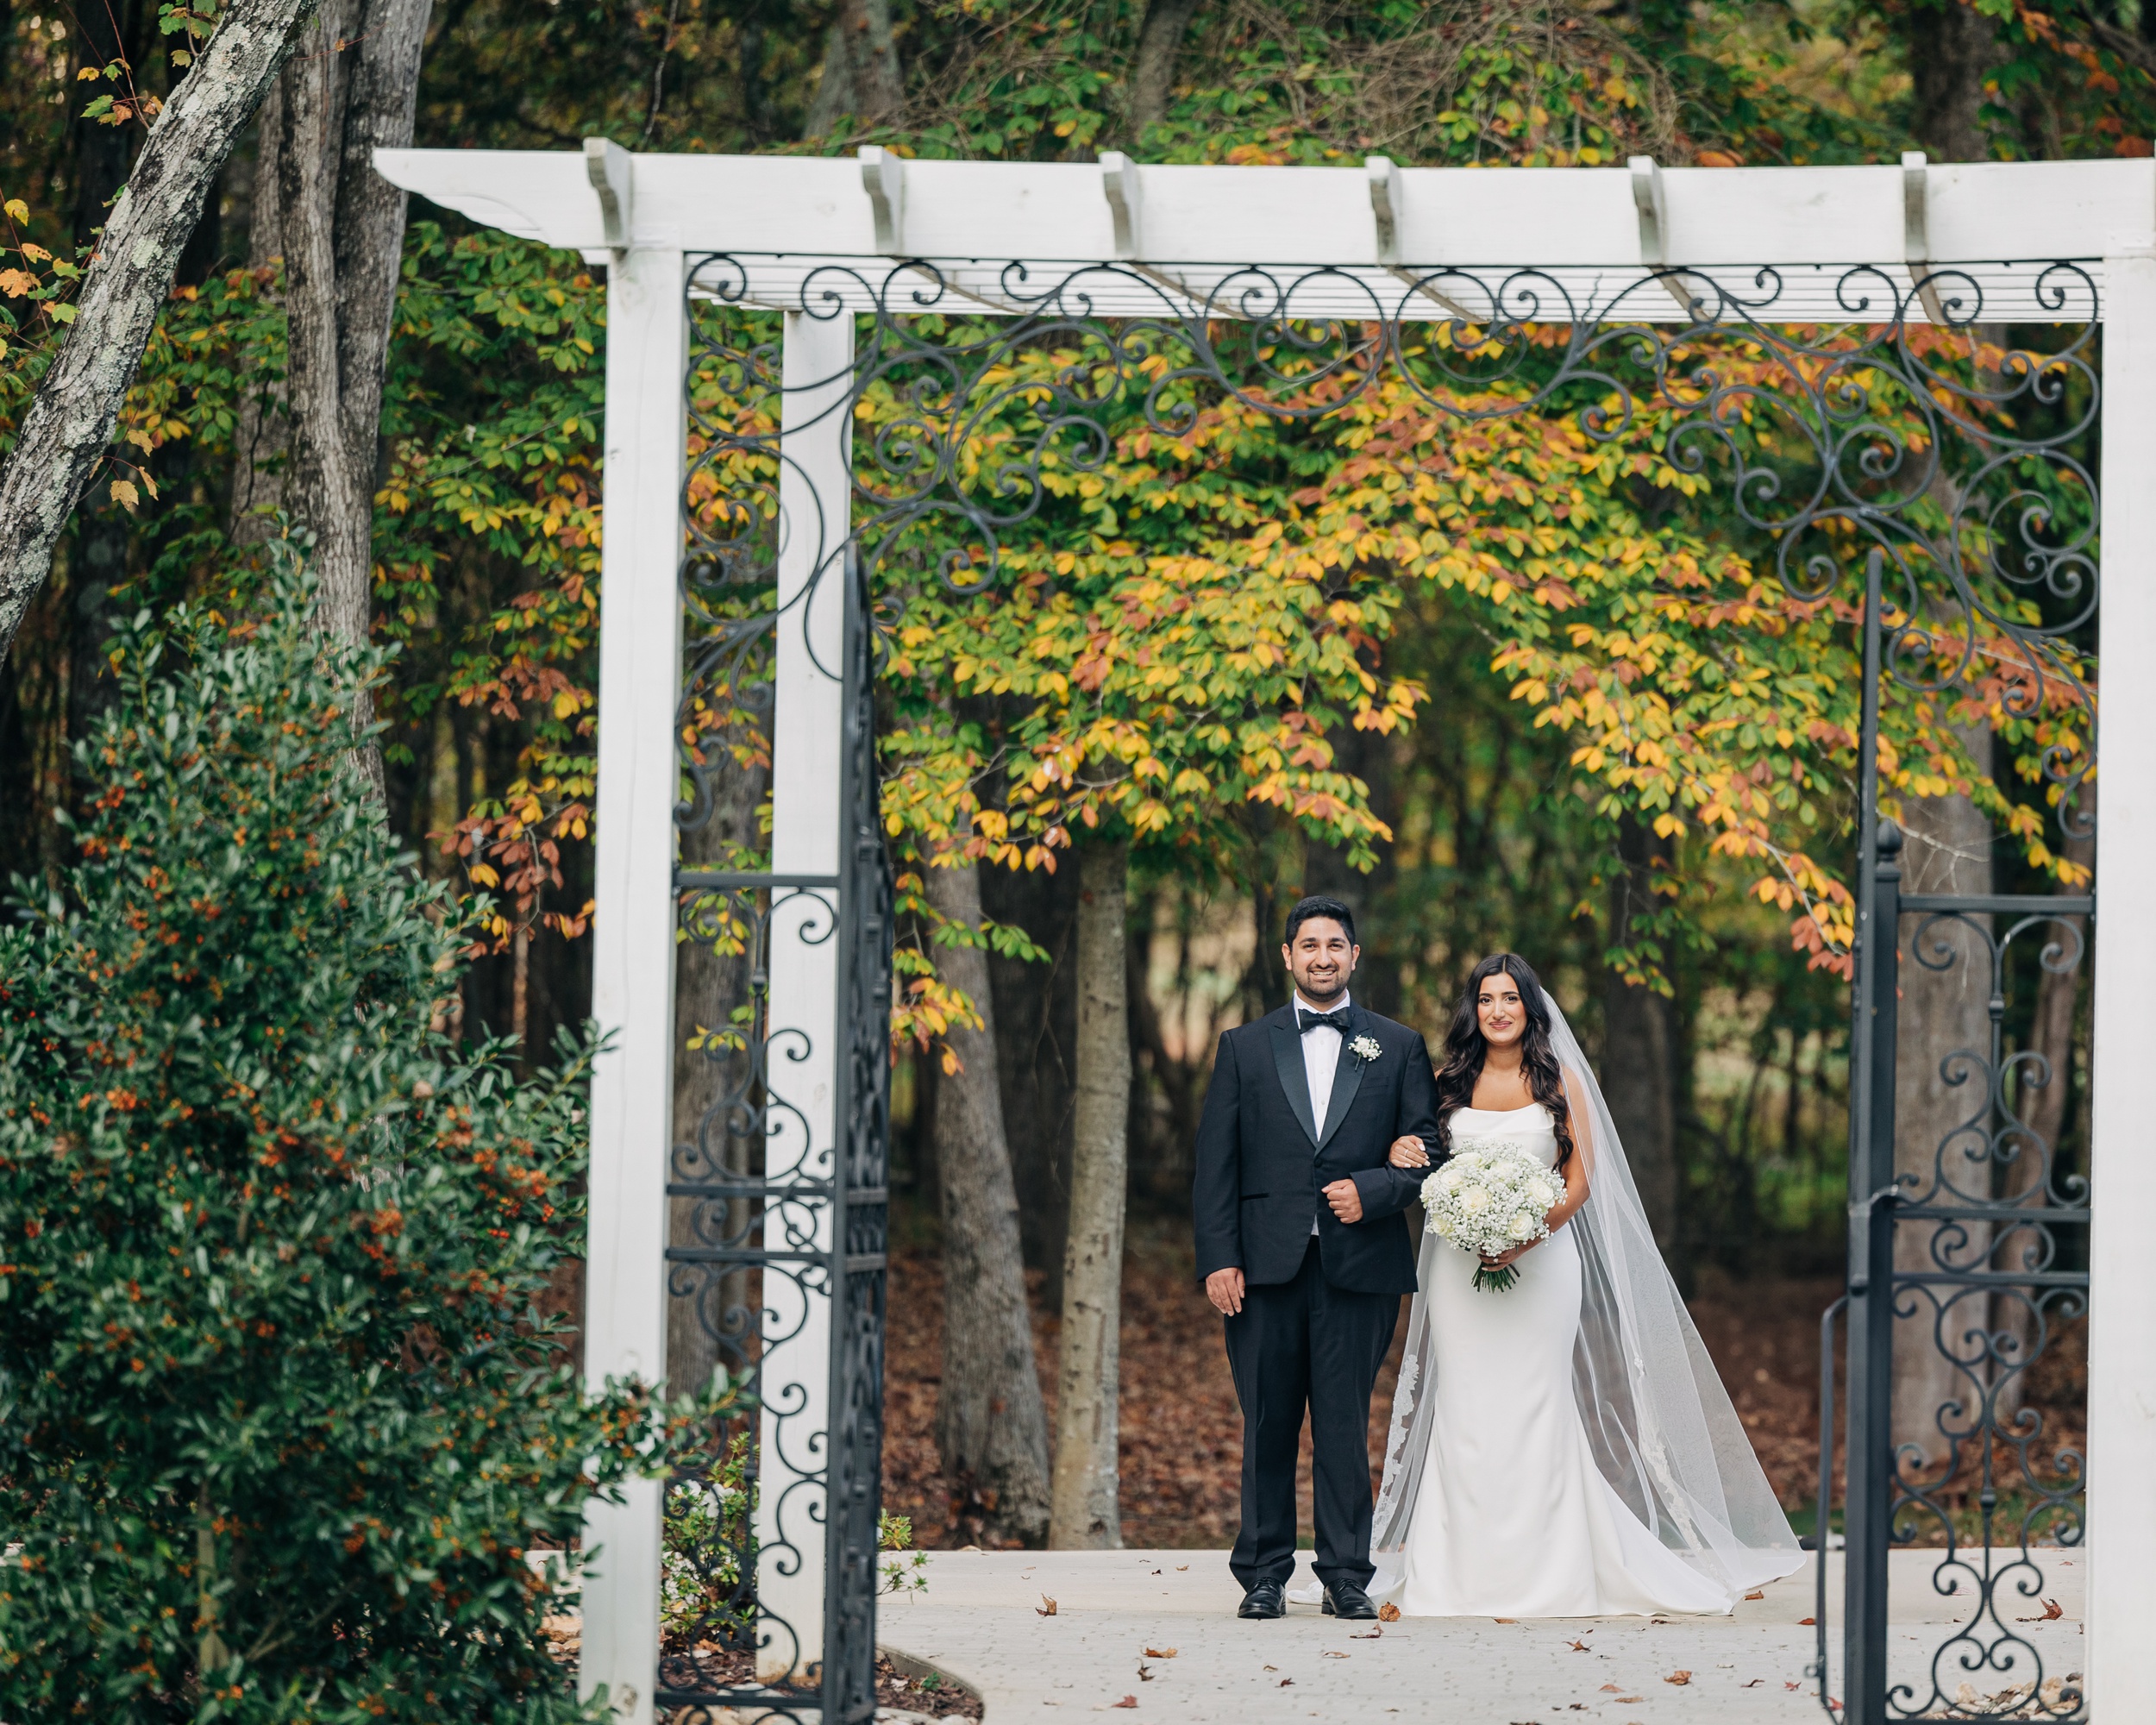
1560 1443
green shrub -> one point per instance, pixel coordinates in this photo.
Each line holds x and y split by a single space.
278 1418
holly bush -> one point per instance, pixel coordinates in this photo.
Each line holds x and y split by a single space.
280 1421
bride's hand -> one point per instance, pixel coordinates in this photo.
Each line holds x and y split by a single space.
1507 1256
1408 1153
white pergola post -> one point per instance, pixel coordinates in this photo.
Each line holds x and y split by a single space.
815 491
633 934
2122 1505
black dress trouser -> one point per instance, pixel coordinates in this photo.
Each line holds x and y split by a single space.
1306 1343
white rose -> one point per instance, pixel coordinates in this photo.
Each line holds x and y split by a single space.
1523 1227
1442 1226
1474 1200
1542 1194
1451 1179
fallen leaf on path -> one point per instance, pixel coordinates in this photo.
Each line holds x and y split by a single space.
1754 1684
1160 1653
1046 1607
1285 1681
1331 1655
1180 1568
1144 1674
1272 1667
1505 1620
1389 1613
1755 1594
1581 1647
1789 1685
1374 1635
1678 1678
2052 1610
1808 1619
1608 1689
1630 1700
1127 1701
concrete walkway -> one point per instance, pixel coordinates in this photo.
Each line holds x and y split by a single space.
980 1620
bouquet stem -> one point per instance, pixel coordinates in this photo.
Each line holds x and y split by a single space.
1497 1281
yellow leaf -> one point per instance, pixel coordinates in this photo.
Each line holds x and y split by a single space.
125 495
17 210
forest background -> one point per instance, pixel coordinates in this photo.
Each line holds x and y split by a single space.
1481 812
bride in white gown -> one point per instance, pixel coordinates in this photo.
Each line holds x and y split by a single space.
1562 1448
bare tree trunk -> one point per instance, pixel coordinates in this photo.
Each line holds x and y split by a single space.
1639 1043
2027 1182
1952 50
69 421
1086 1511
1160 39
991 1422
1945 1009
351 88
1036 1039
712 1309
861 80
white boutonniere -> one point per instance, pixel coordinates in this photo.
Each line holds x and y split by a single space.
1365 1047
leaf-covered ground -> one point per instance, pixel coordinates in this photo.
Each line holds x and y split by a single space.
1181 1434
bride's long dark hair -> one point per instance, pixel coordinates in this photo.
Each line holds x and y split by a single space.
1465 1047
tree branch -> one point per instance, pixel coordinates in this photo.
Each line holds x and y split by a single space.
71 420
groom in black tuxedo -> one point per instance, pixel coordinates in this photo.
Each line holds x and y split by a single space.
1304 1251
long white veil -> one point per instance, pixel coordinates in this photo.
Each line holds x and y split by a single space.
1657 1420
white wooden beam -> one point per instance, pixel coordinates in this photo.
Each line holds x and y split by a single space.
815 496
632 933
1289 215
2121 1500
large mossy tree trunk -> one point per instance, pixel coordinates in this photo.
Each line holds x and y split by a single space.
1087 1510
991 1421
69 424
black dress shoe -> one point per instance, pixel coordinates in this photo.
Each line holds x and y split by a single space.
1345 1599
1267 1599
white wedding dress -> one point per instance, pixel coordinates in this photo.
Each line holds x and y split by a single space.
1514 1519
1565 1448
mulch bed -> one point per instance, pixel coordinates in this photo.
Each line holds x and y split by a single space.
1182 1433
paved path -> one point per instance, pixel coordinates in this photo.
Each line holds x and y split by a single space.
979 1620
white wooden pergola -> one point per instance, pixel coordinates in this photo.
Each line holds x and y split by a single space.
1346 234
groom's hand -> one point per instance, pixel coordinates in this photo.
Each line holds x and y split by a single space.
1225 1288
1346 1199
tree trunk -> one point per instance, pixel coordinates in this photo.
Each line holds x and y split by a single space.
991 1422
70 422
711 1308
861 80
1951 49
1087 1514
1944 1009
1640 1041
1160 40
2028 1181
351 88
1036 1038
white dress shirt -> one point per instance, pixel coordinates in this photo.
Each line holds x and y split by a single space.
1320 1060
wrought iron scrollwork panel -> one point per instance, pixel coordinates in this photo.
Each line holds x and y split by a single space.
1841 426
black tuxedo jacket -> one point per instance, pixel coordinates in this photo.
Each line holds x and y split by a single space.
1261 1161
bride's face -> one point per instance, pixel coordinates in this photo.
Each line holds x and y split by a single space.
1497 1007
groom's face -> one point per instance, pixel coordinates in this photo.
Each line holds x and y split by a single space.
1320 958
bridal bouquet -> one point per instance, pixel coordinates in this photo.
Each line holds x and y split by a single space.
1487 1199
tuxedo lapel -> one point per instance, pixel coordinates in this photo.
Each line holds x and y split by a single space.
1347 1079
1294 1084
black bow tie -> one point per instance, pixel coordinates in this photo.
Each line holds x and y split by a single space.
1306 1021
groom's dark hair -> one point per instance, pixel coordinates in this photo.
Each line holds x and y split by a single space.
1321 906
